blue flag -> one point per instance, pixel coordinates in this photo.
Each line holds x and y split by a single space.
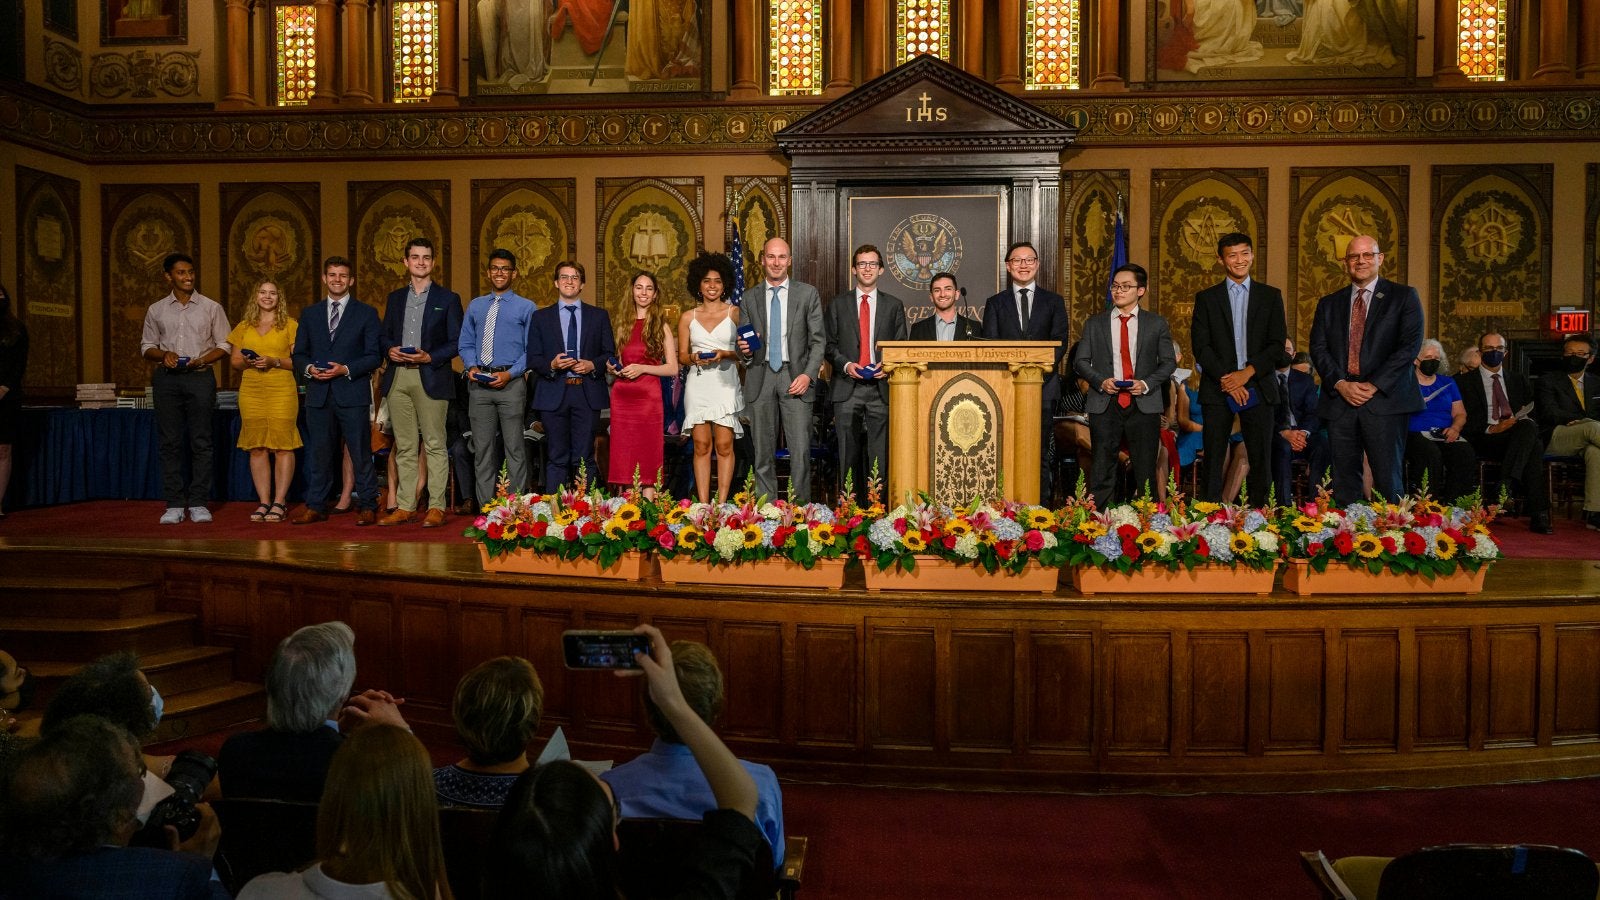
1119 255
736 253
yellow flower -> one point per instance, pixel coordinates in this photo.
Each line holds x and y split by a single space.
743 498
690 537
913 541
615 528
957 527
1091 529
1206 508
1477 528
1041 518
627 512
565 517
1149 541
676 514
1444 546
1242 542
1306 524
1368 546
752 536
823 533
986 538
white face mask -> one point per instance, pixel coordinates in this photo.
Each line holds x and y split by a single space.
157 705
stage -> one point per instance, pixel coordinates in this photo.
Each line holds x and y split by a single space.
1108 693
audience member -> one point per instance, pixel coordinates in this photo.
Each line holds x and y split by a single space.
184 333
1302 363
780 380
568 347
1569 417
269 399
712 400
16 694
557 835
113 688
647 348
494 346
1023 311
1176 426
13 364
497 708
666 783
377 828
1500 427
71 807
1470 359
1434 447
856 321
1299 431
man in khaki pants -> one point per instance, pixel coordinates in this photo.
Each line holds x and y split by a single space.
421 328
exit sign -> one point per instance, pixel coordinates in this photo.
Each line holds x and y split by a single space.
1568 320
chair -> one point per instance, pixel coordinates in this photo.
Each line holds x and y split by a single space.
464 834
1564 476
1459 872
261 836
652 849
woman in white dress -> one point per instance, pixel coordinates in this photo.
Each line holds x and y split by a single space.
712 397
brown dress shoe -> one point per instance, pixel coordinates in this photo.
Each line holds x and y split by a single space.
366 516
307 515
398 517
434 519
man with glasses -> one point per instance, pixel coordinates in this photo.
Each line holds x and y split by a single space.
860 387
1026 312
494 346
1500 427
1363 340
1569 416
568 345
780 378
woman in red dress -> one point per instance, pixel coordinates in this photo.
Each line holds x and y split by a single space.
648 350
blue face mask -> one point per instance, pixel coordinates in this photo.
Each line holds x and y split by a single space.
1493 358
156 704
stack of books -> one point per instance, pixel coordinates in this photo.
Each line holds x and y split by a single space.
133 398
97 396
227 399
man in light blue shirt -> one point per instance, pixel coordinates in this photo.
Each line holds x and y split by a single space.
667 783
494 346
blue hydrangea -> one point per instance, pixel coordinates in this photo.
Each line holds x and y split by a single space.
1253 520
1361 514
820 513
1320 537
1107 545
1007 530
767 528
1160 522
883 535
1218 536
1428 533
540 510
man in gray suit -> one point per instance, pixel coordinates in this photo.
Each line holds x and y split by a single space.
781 377
860 389
1126 356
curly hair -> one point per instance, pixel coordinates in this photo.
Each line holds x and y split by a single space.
110 687
705 264
78 788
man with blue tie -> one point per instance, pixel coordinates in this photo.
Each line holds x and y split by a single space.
494 344
336 349
568 345
780 378
1023 311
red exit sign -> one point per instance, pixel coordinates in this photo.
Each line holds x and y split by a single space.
1570 321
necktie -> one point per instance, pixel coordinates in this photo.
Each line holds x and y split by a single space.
1502 406
1577 388
1283 388
1358 330
486 349
1241 312
572 331
1027 309
333 318
1124 399
866 334
775 331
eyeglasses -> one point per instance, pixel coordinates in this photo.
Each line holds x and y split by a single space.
864 264
502 269
1023 260
569 277
1368 256
1118 287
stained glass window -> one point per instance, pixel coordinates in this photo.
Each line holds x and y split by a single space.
921 26
1481 39
794 47
416 50
1052 34
295 41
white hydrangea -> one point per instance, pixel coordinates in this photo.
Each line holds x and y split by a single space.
1483 548
813 544
1122 515
1266 541
728 542
1049 540
967 546
769 511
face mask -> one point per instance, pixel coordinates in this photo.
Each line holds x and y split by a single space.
156 704
1575 364
1493 358
1429 366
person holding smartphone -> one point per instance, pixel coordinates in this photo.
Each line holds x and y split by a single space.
269 399
712 399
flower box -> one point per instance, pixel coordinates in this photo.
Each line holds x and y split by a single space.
1340 578
935 574
1090 580
774 572
632 566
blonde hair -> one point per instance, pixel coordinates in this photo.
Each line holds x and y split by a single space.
252 310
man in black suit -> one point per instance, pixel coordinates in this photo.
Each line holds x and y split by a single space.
569 342
1569 417
1026 312
1501 428
1363 339
340 333
946 324
1126 356
1298 430
423 318
1238 333
860 388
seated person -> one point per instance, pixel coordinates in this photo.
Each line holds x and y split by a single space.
69 810
1434 446
1500 428
113 688
16 694
1569 407
497 708
308 683
665 783
557 835
1298 431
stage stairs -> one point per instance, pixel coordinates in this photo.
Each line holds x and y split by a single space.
54 622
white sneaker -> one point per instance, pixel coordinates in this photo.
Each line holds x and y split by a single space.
172 516
199 515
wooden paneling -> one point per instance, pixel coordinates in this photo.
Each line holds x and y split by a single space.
1061 686
372 619
1295 689
1577 701
1513 685
900 687
825 699
1138 687
485 634
982 689
541 645
1219 697
752 674
601 699
1371 690
428 648
1444 657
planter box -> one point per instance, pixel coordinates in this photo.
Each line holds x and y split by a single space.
826 573
1089 580
934 574
1339 578
628 567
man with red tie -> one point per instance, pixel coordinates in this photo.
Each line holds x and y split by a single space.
1501 427
1126 356
860 389
1363 340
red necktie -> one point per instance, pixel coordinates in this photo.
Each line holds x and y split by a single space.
1358 330
1124 399
1502 405
866 334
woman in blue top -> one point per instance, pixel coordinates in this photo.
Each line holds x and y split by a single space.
1434 445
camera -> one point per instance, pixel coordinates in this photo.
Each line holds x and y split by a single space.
191 772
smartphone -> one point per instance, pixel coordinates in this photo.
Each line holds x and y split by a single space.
1123 384
603 649
408 350
483 377
247 353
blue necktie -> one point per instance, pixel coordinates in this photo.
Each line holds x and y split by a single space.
775 332
1241 309
572 332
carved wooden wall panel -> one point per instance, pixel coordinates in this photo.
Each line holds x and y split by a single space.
428 649
534 218
142 223
384 215
271 232
1088 227
1577 700
1513 694
1190 209
372 618
760 204
1444 688
751 657
901 687
1296 689
274 607
826 699
981 688
1371 688
1061 688
1328 207
541 645
47 293
1137 693
485 634
1218 688
651 225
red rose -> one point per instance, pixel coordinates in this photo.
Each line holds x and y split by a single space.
1033 540
1388 543
657 531
949 542
636 525
1415 545
900 525
540 529
524 529
1313 548
1081 538
1468 542
1130 549
1344 543
570 533
666 540
781 535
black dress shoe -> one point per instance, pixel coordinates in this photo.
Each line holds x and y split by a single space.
1540 524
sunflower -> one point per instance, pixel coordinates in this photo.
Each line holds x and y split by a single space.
743 498
676 514
1444 546
752 536
986 538
913 541
1092 529
690 537
823 532
957 527
1041 518
566 516
1149 542
1242 543
627 512
1368 546
1306 524
615 528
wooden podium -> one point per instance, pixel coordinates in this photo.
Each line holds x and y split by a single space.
964 418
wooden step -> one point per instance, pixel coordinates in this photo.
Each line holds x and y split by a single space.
43 596
171 671
193 713
50 564
81 640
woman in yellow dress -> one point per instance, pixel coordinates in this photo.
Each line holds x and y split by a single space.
269 402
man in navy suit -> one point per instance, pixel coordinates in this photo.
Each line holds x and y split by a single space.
860 389
1238 333
1026 312
336 350
568 346
1299 431
1363 339
421 331
70 813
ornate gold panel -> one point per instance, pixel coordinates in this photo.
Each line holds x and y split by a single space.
966 441
646 225
1088 227
143 223
760 204
531 217
48 241
271 232
1191 209
1328 207
1491 249
384 215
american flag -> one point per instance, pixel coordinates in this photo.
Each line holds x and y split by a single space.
736 252
1119 253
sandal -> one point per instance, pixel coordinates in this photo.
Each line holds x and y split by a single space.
260 515
277 513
